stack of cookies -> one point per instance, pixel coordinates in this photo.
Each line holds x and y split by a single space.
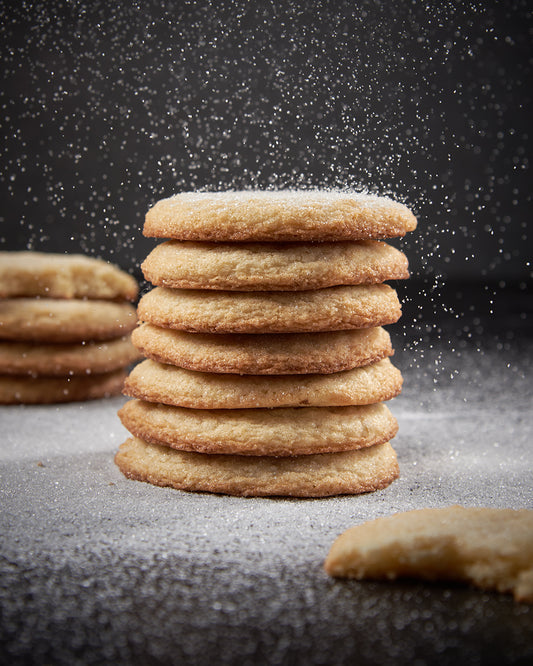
65 327
267 365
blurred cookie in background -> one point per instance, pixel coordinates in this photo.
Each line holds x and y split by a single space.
50 275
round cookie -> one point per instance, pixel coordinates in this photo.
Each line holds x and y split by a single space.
170 385
260 432
17 390
272 266
50 275
331 309
20 358
64 321
277 354
282 215
319 475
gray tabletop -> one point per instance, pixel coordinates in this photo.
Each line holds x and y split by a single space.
96 568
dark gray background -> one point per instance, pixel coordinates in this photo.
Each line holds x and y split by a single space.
107 107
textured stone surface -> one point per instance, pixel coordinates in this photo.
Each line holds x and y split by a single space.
95 568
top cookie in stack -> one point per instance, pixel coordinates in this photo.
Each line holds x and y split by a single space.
65 323
267 365
278 216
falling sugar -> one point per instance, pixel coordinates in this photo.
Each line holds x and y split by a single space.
107 107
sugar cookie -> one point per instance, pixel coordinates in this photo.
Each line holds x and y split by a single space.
319 475
334 308
15 390
260 432
51 275
489 548
273 266
251 354
21 358
64 321
282 215
158 382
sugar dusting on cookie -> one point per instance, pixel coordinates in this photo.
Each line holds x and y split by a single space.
312 200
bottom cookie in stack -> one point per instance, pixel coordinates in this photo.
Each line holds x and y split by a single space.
316 475
65 328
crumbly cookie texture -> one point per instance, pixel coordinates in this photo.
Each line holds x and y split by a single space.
64 321
489 548
250 354
27 358
319 475
16 390
272 266
158 382
51 275
331 309
278 216
260 432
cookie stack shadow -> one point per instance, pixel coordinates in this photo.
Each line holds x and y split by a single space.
65 324
267 366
